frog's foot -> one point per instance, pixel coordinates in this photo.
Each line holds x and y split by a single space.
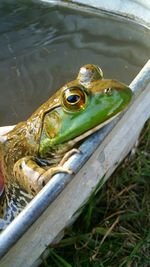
32 177
68 155
43 179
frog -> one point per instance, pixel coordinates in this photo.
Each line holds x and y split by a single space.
38 148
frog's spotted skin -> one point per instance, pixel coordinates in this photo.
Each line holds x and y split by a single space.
14 204
36 149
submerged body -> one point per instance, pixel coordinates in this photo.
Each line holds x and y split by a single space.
34 150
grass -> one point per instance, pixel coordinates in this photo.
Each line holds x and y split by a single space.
114 227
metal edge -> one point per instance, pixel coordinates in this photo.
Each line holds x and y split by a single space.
115 10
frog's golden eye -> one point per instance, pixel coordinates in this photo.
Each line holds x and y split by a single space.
74 98
108 91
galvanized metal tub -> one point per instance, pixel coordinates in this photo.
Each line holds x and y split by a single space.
41 222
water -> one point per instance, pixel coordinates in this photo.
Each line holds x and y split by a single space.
43 47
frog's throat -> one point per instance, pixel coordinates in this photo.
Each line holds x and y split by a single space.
89 132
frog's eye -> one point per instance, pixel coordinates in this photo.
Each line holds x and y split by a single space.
108 91
74 98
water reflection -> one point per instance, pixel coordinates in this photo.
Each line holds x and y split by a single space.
43 47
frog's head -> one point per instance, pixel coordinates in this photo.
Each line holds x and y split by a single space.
84 105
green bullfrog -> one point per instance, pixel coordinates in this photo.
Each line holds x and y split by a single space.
36 149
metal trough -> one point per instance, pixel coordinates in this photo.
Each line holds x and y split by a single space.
57 205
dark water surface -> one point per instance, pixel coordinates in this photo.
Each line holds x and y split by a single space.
43 47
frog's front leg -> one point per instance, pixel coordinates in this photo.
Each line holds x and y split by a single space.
33 177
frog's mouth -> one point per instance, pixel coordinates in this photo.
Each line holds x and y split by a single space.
91 131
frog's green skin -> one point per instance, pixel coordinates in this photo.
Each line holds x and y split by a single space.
30 154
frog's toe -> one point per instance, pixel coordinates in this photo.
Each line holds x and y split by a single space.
44 179
68 155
